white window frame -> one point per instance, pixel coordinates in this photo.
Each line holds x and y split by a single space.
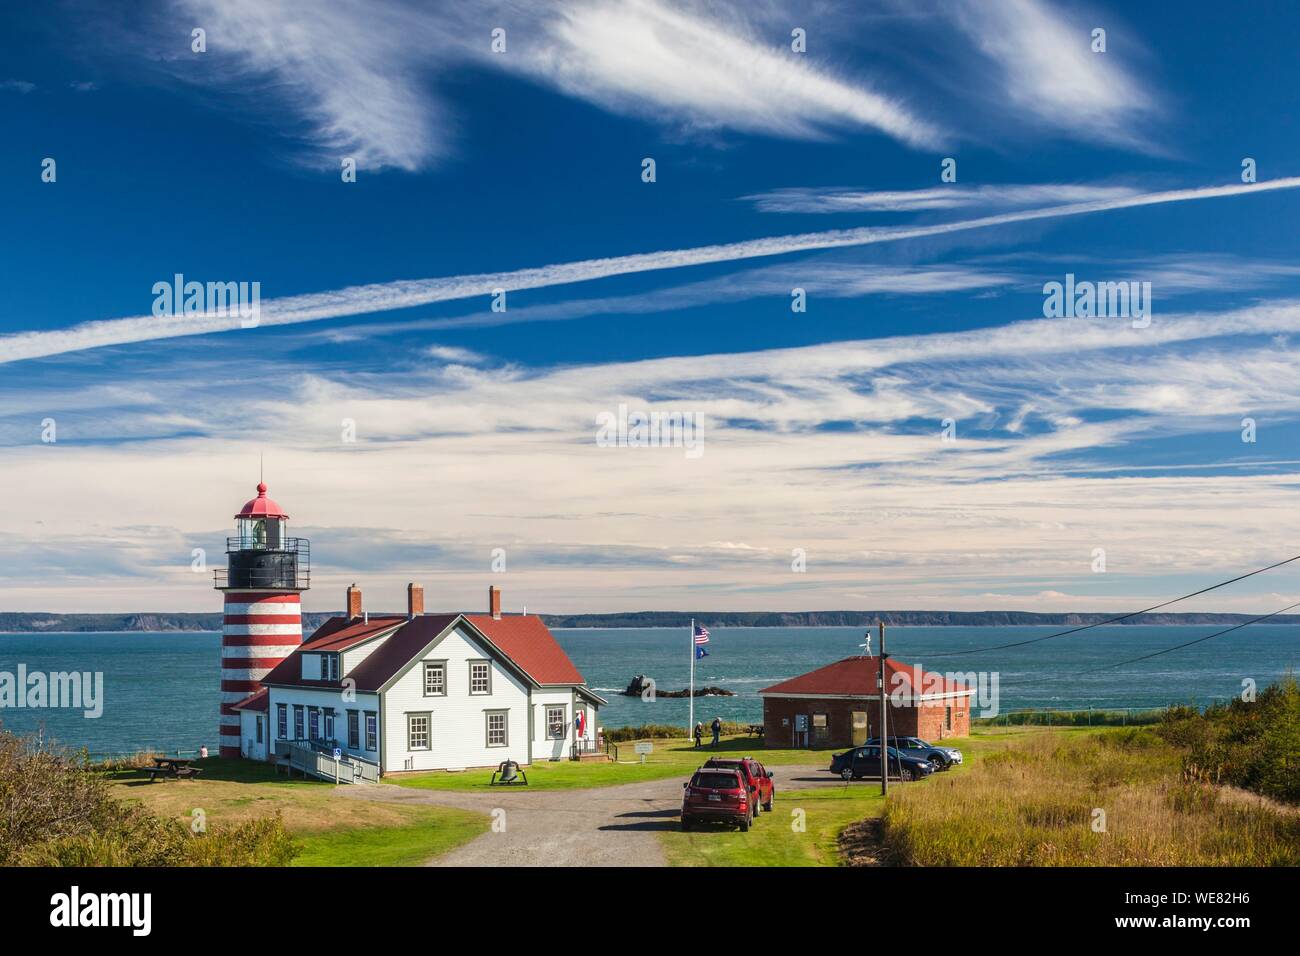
505 727
372 730
281 721
430 667
488 680
563 722
411 732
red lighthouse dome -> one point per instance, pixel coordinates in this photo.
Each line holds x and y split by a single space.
261 506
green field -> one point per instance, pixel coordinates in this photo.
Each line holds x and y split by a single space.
671 758
330 830
803 829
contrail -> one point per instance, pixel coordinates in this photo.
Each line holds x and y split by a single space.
382 297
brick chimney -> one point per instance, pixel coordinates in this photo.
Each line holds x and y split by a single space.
494 602
354 602
414 600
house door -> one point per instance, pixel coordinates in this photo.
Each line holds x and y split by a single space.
859 728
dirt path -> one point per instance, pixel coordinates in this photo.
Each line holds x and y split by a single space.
606 826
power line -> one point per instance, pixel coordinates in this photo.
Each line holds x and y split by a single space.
1199 640
1167 650
1124 617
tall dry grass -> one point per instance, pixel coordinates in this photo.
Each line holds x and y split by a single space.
1033 804
56 809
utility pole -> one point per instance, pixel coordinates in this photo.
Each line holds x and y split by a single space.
884 704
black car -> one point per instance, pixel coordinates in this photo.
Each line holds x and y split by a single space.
865 762
943 758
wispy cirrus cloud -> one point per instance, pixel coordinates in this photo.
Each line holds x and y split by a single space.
1044 410
1043 63
363 75
837 199
381 297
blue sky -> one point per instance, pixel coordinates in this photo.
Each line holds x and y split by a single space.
475 429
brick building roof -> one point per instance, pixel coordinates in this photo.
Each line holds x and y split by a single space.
859 677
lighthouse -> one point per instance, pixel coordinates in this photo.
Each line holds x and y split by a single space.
266 572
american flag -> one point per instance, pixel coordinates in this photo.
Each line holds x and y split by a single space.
701 634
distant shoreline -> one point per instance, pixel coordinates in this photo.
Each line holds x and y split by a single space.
193 622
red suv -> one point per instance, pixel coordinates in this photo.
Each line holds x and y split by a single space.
717 794
757 779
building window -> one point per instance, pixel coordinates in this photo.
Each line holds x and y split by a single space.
329 724
313 722
354 730
417 731
259 729
435 679
298 732
329 667
372 731
556 726
282 720
480 677
496 728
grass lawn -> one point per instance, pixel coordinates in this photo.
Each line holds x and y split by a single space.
784 837
332 830
672 757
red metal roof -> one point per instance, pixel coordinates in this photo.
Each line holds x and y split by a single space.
531 645
526 641
340 633
399 650
858 677
258 700
261 506
336 634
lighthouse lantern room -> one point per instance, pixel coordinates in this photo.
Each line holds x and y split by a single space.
266 572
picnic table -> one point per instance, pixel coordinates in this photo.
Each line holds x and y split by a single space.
754 730
172 767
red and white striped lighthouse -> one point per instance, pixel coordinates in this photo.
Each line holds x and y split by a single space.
266 573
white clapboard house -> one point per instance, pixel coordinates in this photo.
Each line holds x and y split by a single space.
424 692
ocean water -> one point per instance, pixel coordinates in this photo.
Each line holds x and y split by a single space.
161 690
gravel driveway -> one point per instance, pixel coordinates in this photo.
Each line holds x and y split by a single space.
606 826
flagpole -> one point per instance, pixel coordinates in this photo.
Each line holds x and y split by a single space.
690 726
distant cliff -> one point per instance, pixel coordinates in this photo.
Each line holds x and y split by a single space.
35 622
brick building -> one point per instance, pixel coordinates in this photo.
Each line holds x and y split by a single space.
839 705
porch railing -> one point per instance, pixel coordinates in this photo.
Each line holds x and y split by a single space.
588 745
308 757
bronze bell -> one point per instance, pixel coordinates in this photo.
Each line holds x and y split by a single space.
509 771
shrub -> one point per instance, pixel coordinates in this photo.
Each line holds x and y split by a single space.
620 735
1252 745
56 810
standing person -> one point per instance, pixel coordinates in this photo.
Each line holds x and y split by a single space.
699 734
717 731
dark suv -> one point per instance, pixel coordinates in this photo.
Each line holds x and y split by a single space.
717 793
757 778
